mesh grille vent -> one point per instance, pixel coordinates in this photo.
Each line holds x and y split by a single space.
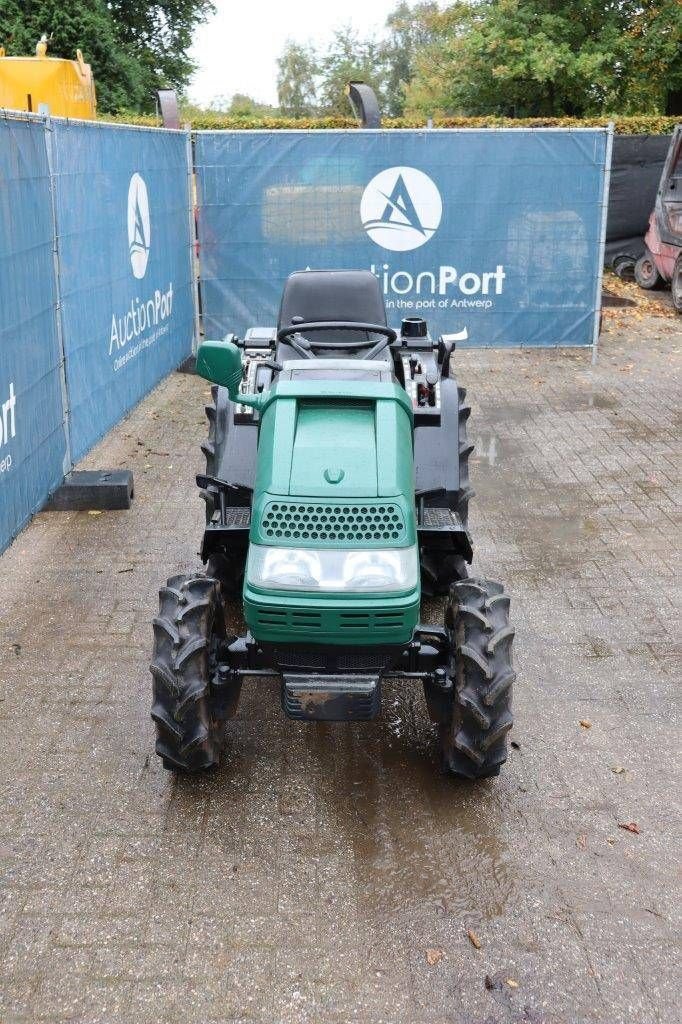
289 521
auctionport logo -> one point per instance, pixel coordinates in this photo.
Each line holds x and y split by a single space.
139 227
401 208
8 427
144 321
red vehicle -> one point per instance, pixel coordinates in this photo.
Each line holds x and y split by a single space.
662 258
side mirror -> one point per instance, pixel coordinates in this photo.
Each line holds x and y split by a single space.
221 363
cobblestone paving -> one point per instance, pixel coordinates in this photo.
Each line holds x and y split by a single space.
327 873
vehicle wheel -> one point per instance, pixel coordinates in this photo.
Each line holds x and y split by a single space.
624 267
676 284
439 571
208 448
646 272
187 631
465 492
477 715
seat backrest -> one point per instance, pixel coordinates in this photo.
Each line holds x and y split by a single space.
328 295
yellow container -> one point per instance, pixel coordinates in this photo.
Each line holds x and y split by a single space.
65 87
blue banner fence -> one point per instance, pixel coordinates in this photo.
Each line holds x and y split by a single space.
96 290
33 455
125 281
499 232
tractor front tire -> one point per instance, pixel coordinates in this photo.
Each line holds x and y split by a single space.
187 631
473 730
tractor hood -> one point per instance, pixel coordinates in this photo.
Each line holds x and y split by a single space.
334 442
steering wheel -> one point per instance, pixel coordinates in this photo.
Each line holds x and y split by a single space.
387 333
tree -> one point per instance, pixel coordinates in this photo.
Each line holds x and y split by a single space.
158 35
134 48
655 52
308 82
410 30
541 58
349 58
241 105
296 86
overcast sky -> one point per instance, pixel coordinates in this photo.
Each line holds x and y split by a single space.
236 50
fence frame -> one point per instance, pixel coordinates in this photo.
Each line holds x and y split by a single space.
59 315
606 182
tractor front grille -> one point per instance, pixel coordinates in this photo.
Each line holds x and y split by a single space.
339 523
331 659
352 624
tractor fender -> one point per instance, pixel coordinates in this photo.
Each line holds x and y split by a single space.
236 444
436 446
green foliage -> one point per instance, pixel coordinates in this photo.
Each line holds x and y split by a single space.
296 86
348 58
410 31
507 58
158 36
238 105
210 120
134 47
539 58
311 82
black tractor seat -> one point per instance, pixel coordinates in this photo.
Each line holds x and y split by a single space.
329 296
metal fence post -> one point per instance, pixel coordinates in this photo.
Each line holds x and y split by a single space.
606 182
193 243
59 315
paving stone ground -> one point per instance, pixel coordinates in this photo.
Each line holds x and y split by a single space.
328 874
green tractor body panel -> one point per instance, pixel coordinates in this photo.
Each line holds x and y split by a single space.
335 470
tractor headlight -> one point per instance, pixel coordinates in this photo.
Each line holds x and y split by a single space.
333 569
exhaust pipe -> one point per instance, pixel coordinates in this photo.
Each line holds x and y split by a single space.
364 103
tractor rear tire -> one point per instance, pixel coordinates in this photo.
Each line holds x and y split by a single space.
676 284
465 492
478 717
439 568
646 272
187 631
208 448
226 567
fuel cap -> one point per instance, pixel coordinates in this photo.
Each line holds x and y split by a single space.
413 327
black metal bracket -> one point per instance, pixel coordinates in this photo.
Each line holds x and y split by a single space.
425 657
441 527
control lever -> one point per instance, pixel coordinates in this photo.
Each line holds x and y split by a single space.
431 381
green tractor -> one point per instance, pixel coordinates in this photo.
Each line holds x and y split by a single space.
337 493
